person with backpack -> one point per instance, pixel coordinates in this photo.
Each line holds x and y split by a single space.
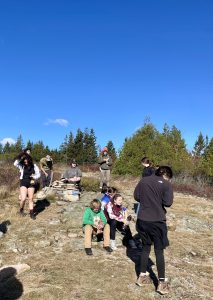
29 174
154 193
46 166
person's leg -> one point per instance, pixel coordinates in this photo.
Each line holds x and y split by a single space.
107 174
23 196
160 263
43 179
101 178
30 192
48 178
88 236
144 277
113 225
106 235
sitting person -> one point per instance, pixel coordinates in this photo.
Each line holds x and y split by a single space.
94 222
118 218
109 193
73 175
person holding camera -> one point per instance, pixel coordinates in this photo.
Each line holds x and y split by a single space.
29 174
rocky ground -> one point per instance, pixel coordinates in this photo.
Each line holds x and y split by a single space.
45 259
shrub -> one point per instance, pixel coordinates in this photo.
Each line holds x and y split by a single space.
9 176
90 184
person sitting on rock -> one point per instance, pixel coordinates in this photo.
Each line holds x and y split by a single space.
73 175
109 193
94 222
117 218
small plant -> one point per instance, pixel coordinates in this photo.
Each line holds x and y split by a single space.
90 184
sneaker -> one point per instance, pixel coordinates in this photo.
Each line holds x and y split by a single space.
108 249
88 251
143 279
163 287
113 245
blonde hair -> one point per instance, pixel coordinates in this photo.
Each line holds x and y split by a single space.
95 203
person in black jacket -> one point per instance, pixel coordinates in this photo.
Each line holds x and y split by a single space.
148 169
154 193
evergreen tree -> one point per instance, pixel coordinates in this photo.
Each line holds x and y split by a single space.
200 145
112 151
79 147
207 160
89 147
63 150
19 145
70 147
38 151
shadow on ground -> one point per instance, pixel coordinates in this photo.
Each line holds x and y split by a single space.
40 206
10 287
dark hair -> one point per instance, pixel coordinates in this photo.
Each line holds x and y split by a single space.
164 170
26 149
115 197
145 160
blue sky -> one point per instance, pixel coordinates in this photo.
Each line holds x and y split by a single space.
105 65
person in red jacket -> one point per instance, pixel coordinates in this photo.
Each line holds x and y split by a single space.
154 194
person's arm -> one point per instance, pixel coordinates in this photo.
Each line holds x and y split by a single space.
168 196
112 215
109 161
37 172
87 217
42 164
103 218
137 192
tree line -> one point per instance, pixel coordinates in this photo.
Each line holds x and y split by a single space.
167 147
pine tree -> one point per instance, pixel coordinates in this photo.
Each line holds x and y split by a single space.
70 147
79 147
89 147
63 150
112 150
200 145
19 145
207 160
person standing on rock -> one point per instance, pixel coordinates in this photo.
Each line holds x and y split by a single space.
105 163
46 166
29 174
154 194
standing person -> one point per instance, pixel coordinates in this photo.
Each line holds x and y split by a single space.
73 175
29 173
46 166
154 194
148 169
105 162
94 222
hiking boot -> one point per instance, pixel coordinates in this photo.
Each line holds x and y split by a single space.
108 249
32 215
88 251
163 287
144 279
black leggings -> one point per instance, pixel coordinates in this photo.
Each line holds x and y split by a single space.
160 262
114 224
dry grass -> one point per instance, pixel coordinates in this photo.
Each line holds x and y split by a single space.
61 270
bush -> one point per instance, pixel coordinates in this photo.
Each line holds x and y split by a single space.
9 176
90 184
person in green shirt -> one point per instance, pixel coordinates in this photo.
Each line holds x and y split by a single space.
94 222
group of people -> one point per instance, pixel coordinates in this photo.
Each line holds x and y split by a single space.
107 214
30 175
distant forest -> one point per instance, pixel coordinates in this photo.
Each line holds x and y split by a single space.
162 148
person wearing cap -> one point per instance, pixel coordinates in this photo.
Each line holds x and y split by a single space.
46 166
105 162
73 174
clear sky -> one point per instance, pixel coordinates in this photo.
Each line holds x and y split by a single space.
105 65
